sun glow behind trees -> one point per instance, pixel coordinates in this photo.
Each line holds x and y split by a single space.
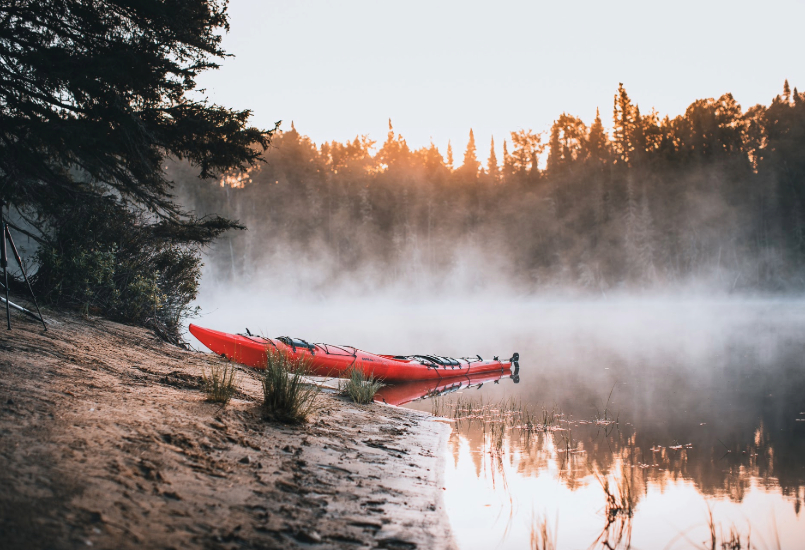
439 68
711 197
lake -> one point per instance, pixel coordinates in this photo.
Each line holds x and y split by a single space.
645 422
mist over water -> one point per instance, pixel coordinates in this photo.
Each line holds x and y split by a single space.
717 357
720 377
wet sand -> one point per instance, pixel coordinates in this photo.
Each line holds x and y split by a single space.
106 441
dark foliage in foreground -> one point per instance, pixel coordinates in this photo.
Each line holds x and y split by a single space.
107 259
93 99
716 195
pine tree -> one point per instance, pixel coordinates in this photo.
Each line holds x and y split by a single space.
471 164
94 98
554 150
492 163
99 92
508 165
638 137
395 150
623 125
449 155
597 141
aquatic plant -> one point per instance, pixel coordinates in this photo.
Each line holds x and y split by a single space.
437 406
467 408
734 540
619 509
604 419
220 382
287 396
620 500
359 387
544 421
541 537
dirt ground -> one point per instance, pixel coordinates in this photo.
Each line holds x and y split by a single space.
106 441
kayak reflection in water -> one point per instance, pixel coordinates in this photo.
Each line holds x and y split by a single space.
400 394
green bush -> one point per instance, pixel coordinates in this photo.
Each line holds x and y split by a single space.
105 258
286 395
359 387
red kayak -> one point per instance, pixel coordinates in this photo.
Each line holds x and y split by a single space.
336 361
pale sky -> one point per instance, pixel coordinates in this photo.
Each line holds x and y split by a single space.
438 68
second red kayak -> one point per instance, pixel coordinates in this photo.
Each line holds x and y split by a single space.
337 361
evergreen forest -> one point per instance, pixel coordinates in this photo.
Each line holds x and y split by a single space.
713 199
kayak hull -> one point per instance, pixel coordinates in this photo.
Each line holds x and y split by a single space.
337 361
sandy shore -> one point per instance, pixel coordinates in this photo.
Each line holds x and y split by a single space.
106 441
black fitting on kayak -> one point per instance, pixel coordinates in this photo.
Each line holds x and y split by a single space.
515 357
296 343
516 373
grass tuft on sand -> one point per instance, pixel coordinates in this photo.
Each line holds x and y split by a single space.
359 387
287 396
220 383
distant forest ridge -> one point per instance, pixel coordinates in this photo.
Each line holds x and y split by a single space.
713 198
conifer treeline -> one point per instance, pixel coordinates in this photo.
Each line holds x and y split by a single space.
716 195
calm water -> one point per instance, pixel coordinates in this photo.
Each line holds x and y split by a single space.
706 414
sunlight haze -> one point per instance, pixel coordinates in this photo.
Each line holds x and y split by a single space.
437 69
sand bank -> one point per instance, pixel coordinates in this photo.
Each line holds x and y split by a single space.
106 441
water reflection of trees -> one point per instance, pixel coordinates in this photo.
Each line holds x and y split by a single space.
580 450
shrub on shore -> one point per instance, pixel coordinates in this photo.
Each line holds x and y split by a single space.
105 258
220 383
359 387
286 395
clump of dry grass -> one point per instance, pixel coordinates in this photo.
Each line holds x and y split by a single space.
359 387
287 397
220 383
